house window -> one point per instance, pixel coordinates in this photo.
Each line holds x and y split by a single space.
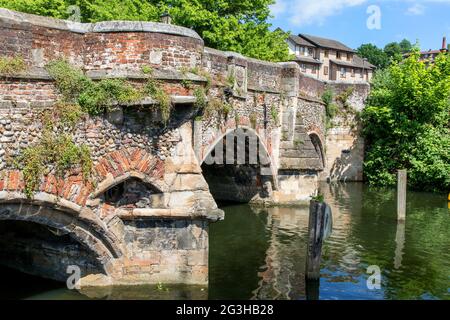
326 53
338 55
343 72
349 57
325 70
304 51
303 67
353 73
310 52
314 68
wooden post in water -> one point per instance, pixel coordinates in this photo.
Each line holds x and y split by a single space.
401 195
315 239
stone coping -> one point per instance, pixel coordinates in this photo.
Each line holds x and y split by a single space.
37 73
104 26
174 213
229 54
7 104
45 199
311 99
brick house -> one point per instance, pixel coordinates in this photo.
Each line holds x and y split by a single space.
430 55
327 59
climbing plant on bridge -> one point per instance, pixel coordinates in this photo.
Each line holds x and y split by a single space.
55 151
12 65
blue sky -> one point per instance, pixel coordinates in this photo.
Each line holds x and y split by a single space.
346 20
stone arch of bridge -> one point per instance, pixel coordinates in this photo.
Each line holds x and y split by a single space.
64 220
239 171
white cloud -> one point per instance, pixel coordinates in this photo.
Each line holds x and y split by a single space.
307 12
315 12
416 10
278 8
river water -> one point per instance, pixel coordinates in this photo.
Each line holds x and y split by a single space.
259 253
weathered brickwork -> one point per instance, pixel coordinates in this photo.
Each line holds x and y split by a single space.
143 215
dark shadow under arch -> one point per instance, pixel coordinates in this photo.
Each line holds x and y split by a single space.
83 242
238 167
318 146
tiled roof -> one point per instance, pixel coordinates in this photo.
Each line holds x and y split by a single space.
300 41
326 43
356 63
307 59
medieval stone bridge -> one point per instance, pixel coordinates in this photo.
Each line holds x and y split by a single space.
143 218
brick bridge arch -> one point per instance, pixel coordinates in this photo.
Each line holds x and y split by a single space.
66 218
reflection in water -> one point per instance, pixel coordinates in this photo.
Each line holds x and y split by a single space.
260 253
399 244
285 260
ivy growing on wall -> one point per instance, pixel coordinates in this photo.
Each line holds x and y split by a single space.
55 151
12 65
156 91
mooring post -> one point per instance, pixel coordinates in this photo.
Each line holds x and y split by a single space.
401 195
315 239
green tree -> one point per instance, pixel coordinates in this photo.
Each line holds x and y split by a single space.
406 124
239 26
374 55
405 46
393 51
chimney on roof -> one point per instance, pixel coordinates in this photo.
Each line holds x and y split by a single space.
444 43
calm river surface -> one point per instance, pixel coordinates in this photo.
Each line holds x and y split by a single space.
259 253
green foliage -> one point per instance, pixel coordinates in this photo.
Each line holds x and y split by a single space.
100 96
327 96
253 118
298 143
217 108
331 109
201 102
406 124
55 8
342 98
274 114
157 92
231 80
203 73
94 97
146 69
12 65
69 80
405 46
393 51
318 198
382 58
55 151
240 26
237 119
374 55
